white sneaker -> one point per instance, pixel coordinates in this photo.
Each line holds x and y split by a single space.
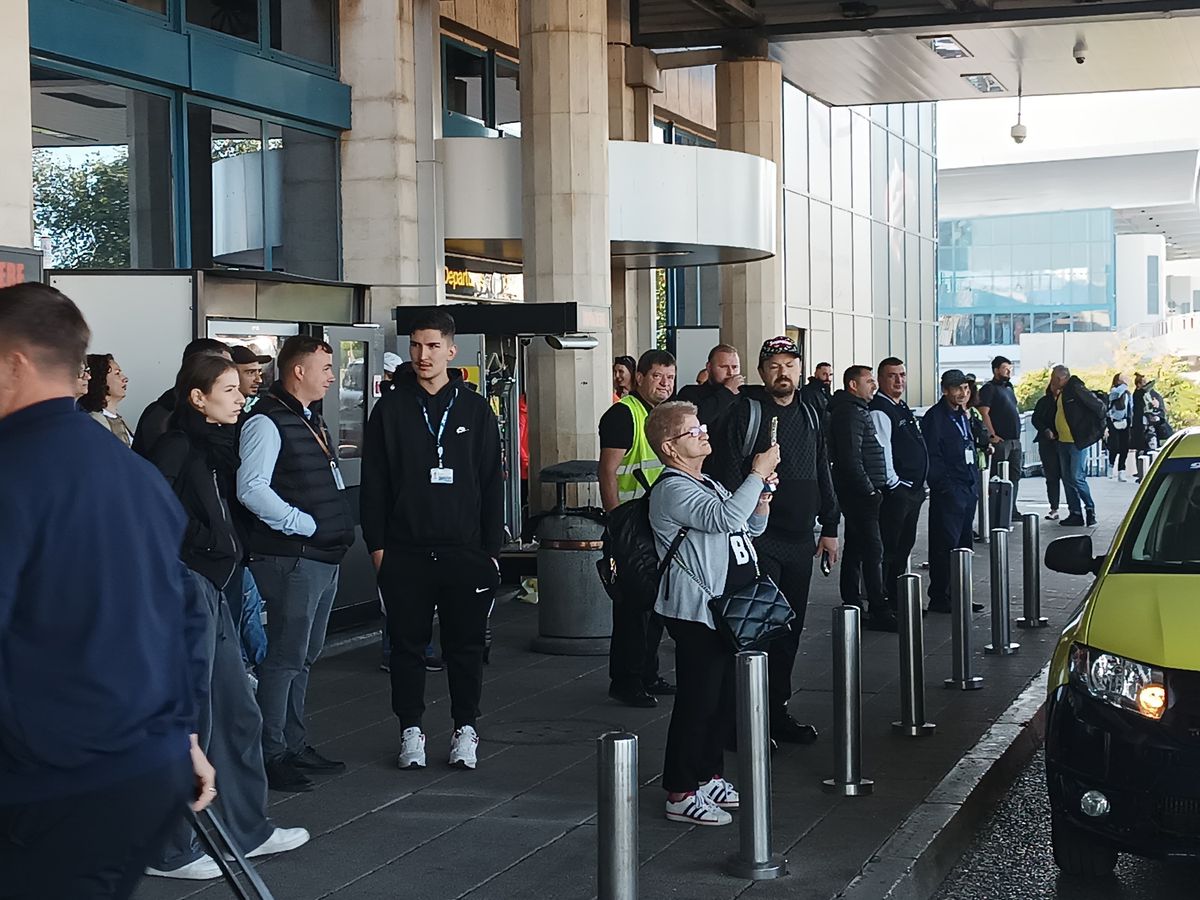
412 749
201 870
1121 476
697 809
281 841
464 747
720 792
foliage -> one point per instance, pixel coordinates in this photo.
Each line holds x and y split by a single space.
84 208
660 307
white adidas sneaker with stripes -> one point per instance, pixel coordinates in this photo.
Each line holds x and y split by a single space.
720 792
697 809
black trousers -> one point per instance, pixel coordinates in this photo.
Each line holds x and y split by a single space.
898 517
788 560
951 515
94 845
633 650
1051 470
862 554
1118 447
413 586
702 717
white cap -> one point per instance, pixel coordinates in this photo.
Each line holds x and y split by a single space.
391 361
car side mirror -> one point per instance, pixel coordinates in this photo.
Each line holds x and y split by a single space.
1073 556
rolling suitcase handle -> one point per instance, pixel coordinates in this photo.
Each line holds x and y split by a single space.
241 877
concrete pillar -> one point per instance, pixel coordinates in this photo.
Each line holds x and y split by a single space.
750 119
392 232
564 170
148 124
16 151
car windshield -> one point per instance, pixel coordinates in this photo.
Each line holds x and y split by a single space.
1164 535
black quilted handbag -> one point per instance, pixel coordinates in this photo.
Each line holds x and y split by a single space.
752 616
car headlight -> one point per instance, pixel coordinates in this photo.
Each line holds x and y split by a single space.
1118 681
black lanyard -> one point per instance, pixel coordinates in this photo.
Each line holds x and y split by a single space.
437 436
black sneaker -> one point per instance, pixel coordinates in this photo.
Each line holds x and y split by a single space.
882 619
660 687
1091 517
787 730
309 758
1074 520
635 697
282 775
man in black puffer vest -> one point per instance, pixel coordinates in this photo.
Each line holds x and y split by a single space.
860 477
300 528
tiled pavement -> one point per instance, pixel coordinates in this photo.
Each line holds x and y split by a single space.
523 824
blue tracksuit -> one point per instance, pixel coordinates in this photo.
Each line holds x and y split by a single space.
953 490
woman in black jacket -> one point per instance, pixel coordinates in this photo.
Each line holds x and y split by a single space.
198 457
1047 441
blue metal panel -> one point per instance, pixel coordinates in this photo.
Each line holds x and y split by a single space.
109 39
221 72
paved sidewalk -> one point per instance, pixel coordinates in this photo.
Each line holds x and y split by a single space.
523 824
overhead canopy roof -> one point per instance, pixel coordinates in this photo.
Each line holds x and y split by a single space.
867 51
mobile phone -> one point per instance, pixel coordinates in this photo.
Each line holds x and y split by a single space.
774 441
826 566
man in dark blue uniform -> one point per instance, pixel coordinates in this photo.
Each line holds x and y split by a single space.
953 483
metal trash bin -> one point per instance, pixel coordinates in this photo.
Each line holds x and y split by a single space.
574 612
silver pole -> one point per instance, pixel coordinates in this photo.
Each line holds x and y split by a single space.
617 817
1001 595
961 587
1142 465
912 660
981 515
754 860
1031 563
847 706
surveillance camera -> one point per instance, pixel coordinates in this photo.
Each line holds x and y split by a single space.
572 341
1079 51
1019 132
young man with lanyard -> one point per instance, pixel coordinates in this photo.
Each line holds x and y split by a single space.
1001 415
300 528
628 466
432 512
953 483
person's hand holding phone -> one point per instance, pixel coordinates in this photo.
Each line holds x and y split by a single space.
765 463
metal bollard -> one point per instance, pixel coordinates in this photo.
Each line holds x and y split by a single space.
981 512
912 660
1143 463
617 817
847 706
960 628
754 859
1031 564
1001 595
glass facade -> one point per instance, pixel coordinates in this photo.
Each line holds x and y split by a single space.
481 92
860 233
1002 276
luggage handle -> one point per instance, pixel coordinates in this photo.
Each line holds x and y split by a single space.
241 877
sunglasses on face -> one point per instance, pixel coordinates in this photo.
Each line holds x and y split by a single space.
695 431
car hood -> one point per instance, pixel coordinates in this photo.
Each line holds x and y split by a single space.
1153 619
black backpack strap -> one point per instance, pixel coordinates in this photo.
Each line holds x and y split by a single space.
640 477
671 551
752 428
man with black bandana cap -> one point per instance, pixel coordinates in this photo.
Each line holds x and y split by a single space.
805 494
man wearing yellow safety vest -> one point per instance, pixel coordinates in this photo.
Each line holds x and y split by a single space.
628 466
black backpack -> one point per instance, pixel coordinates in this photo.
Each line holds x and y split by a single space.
629 566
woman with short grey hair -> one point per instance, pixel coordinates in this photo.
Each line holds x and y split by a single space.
714 556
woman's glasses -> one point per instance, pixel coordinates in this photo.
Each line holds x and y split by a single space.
695 431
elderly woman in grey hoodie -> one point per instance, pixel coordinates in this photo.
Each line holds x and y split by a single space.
715 556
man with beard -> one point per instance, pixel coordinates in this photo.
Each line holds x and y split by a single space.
1001 415
817 392
716 394
628 466
805 493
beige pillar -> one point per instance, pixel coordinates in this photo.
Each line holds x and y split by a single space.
564 170
16 151
750 119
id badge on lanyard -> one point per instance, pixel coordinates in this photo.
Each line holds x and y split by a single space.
964 428
440 474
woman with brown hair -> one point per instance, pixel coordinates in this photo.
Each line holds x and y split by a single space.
105 391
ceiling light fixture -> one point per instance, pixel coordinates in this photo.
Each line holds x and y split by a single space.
985 83
946 46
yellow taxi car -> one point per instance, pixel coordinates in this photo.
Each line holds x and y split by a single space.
1123 714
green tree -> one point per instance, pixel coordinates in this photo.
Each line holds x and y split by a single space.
84 208
660 307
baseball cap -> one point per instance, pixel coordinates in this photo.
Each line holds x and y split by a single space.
391 361
954 378
243 356
780 344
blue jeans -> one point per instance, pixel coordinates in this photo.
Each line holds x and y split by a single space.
250 626
1071 460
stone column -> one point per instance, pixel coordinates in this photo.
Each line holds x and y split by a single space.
16 155
564 171
750 119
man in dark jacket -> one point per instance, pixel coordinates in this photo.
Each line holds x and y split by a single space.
953 483
1042 422
1078 423
907 463
156 418
859 478
998 407
816 393
433 519
715 396
102 669
300 528
805 493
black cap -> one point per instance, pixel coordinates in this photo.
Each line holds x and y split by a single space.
954 378
776 345
244 356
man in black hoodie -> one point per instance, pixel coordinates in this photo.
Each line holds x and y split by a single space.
718 393
816 392
155 418
859 477
432 512
805 493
